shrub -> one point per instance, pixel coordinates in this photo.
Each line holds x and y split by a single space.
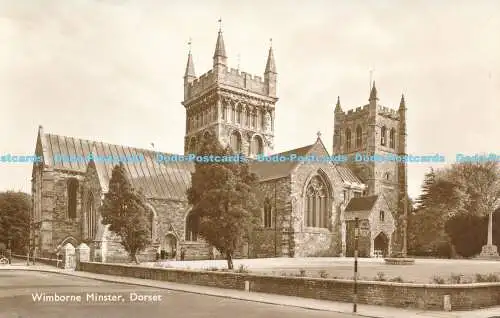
489 278
456 279
438 280
380 277
323 274
397 280
242 269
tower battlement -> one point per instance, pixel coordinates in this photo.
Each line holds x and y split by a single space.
232 77
357 111
364 110
387 112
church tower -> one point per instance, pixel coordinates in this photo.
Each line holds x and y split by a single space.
237 107
369 131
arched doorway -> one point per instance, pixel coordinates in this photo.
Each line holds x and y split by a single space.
170 246
381 243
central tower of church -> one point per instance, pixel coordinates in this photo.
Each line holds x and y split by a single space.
237 107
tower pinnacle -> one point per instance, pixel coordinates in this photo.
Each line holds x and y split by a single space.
373 93
271 64
402 104
220 49
338 108
190 64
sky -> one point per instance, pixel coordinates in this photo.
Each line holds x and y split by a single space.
111 70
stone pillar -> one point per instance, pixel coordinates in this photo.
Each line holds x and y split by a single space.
372 246
389 246
489 250
344 238
69 256
490 229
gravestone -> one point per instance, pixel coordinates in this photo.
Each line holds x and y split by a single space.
82 254
69 256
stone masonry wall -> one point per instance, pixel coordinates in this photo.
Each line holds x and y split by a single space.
314 241
274 241
55 226
422 296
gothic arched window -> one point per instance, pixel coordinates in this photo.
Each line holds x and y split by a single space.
257 146
192 227
236 142
359 136
224 111
383 136
260 121
392 138
347 139
316 203
263 120
192 145
238 115
268 219
91 217
72 198
153 223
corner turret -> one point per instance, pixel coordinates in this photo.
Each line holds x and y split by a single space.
220 57
338 108
373 95
189 74
270 74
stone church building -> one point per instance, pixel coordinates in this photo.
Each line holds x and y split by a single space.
308 208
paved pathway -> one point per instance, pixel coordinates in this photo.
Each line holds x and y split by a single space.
289 302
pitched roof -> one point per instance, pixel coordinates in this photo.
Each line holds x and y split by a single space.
273 170
361 204
348 176
157 179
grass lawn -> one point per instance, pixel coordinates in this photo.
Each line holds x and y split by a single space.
420 272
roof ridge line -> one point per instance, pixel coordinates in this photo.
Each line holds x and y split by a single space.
92 142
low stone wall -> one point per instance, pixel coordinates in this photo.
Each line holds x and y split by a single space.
422 296
47 261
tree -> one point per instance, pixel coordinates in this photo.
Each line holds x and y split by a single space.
429 180
439 201
223 196
467 233
15 219
481 183
124 209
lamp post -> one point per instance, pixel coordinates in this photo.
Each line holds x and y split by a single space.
275 224
10 251
356 238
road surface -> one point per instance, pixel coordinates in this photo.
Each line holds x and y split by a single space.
50 295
